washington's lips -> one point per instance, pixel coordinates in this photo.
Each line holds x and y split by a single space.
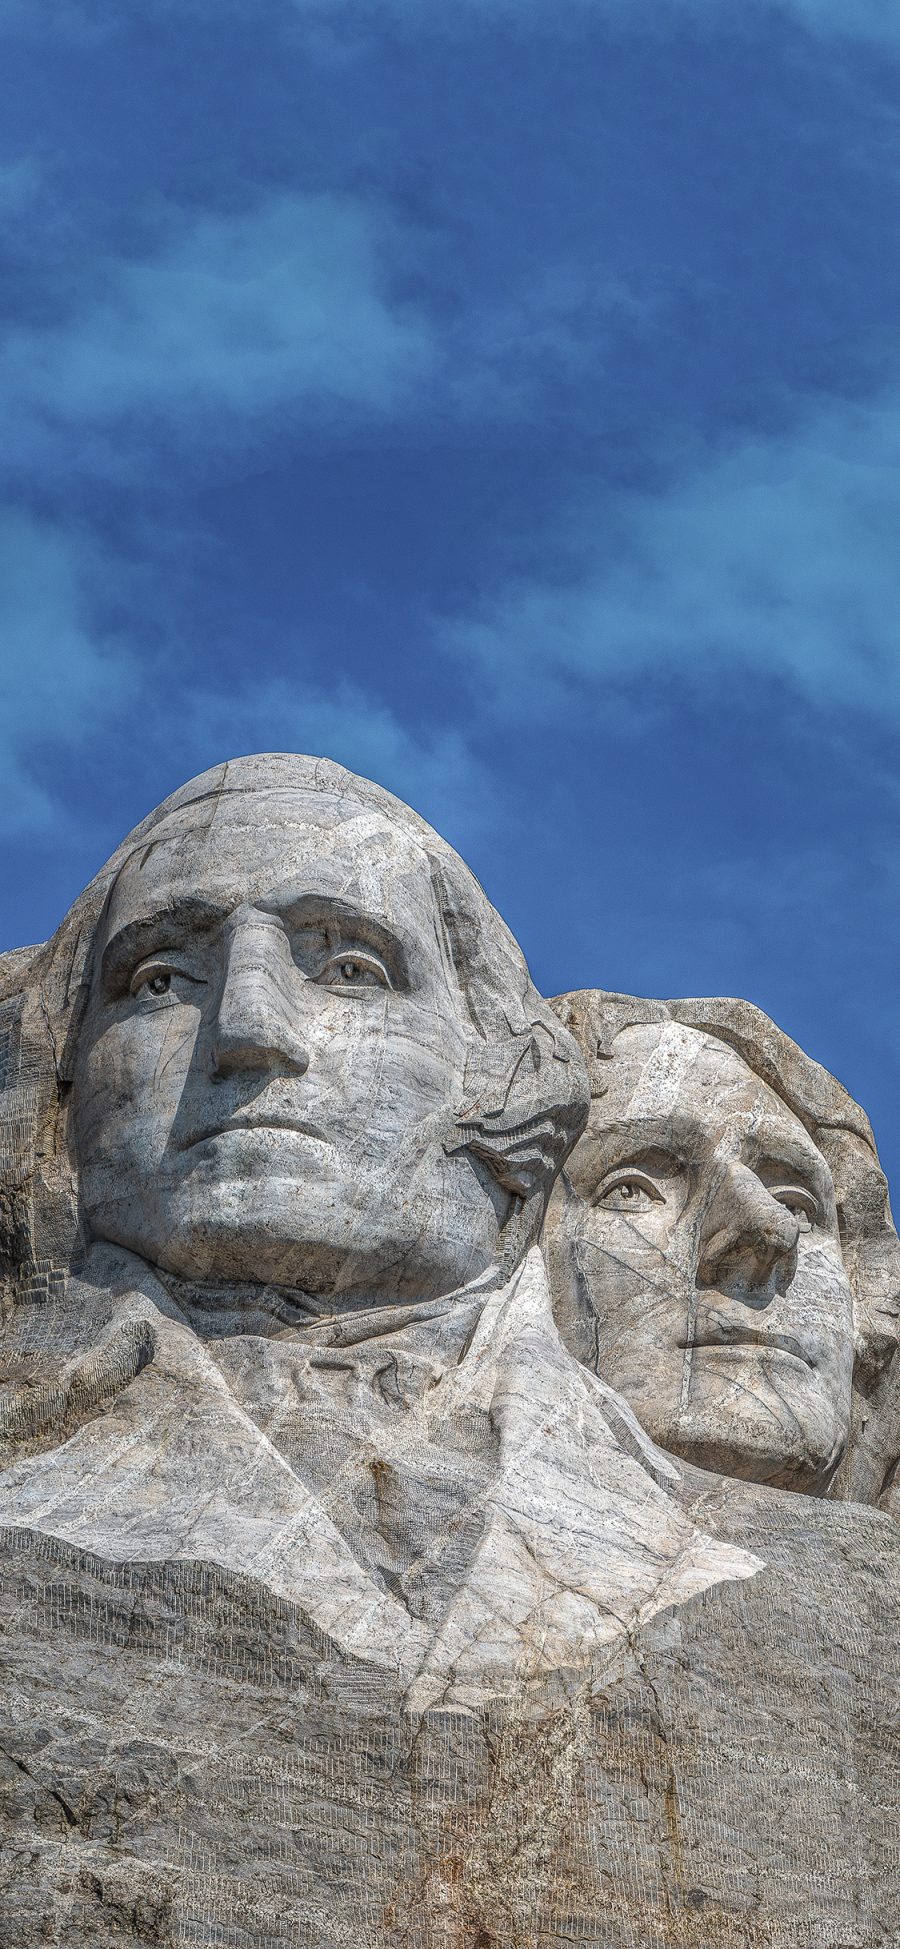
743 1339
245 1121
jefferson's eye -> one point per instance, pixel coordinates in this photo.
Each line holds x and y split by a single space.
800 1203
629 1191
355 971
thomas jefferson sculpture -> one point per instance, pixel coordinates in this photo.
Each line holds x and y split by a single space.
312 1108
723 1249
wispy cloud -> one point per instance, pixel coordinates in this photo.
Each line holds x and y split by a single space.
284 308
500 354
18 186
774 555
433 768
868 20
282 320
80 694
876 22
66 678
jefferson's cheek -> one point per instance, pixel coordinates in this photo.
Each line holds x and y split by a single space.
644 1242
621 1271
820 1303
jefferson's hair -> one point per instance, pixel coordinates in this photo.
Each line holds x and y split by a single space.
842 1132
525 1096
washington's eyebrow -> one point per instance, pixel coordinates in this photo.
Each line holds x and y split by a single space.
169 926
330 911
175 924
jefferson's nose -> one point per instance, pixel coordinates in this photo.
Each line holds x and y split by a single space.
747 1233
256 1020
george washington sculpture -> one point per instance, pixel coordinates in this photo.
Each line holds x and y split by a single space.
274 1291
341 1605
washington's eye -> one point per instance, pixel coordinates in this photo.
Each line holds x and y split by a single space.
154 981
801 1203
355 971
628 1191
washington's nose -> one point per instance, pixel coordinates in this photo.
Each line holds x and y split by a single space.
747 1232
256 1021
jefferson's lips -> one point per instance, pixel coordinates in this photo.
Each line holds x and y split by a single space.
744 1339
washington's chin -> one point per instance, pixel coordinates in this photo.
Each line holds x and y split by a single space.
282 1237
300 1235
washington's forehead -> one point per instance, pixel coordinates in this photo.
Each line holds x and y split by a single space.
270 806
266 845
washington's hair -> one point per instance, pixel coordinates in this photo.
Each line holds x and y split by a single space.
525 1096
842 1132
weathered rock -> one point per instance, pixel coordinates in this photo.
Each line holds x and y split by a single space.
340 1603
723 1250
193 1762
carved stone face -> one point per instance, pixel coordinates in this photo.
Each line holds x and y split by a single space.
703 1237
272 1054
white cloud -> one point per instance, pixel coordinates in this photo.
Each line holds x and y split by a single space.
64 678
432 769
777 555
282 309
78 694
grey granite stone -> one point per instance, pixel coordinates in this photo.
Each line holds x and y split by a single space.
723 1250
341 1600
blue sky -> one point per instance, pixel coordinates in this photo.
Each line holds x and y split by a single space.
501 397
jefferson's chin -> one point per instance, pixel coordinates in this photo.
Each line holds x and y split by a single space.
765 1420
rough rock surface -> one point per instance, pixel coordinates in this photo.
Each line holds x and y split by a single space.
723 1250
189 1760
344 1597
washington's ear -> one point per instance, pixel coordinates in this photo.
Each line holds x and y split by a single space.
37 1218
70 978
525 1092
523 1115
17 1168
595 1016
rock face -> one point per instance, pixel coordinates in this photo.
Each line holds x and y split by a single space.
723 1250
359 1584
